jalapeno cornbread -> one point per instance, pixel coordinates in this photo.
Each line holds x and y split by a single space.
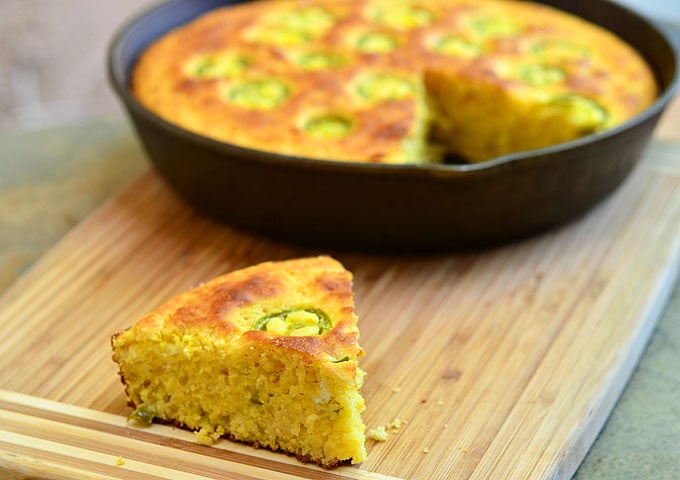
266 355
392 82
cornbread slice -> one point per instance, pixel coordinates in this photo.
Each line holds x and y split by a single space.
267 355
386 81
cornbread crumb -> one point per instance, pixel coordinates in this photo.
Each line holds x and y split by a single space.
395 424
120 461
203 437
379 434
440 402
396 389
426 450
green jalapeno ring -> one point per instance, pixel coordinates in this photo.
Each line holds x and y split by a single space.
324 323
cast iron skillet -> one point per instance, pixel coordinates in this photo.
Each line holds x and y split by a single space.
367 206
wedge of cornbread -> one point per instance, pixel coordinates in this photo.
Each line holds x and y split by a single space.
267 355
393 82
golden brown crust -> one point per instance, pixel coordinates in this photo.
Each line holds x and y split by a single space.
610 72
230 305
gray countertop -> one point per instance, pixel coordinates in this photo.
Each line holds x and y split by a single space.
52 179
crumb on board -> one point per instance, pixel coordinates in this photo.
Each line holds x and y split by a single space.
440 402
426 450
204 438
396 424
379 434
396 389
120 461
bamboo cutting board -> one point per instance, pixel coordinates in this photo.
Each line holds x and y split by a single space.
504 363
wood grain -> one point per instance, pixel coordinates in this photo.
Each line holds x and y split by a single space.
54 440
504 363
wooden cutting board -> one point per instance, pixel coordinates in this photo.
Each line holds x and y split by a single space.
504 363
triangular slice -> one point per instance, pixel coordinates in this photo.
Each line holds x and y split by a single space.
266 355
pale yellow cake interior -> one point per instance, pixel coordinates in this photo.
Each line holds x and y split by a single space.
266 396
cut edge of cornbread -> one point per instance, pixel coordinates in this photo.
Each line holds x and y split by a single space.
267 356
466 125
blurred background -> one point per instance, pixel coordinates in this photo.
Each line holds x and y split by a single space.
52 60
53 54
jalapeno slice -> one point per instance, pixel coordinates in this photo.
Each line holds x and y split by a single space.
264 94
143 414
331 125
297 322
456 46
381 87
376 43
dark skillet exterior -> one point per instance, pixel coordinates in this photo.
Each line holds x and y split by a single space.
387 207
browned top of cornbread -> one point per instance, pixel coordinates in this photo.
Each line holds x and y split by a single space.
341 79
231 305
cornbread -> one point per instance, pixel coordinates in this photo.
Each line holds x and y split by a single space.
267 355
392 82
